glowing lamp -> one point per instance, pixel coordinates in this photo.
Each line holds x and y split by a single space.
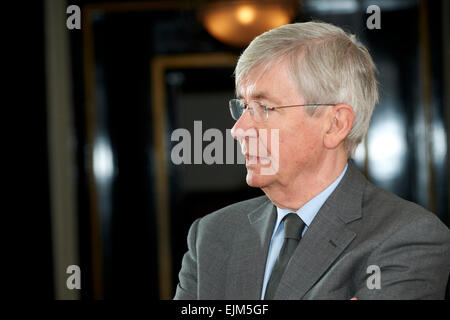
236 23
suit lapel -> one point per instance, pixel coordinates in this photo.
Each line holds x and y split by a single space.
327 237
250 252
321 245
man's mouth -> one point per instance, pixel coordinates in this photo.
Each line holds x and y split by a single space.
253 159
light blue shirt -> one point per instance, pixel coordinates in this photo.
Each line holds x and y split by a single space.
306 213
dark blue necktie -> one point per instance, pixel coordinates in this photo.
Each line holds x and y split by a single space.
293 227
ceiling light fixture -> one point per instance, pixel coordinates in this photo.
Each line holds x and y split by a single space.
238 22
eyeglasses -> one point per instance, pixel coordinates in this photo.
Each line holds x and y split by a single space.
260 112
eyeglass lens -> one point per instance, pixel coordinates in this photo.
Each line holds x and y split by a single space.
237 108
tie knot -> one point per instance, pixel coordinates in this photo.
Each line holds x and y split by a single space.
293 226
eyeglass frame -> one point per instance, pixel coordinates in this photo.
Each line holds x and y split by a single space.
267 108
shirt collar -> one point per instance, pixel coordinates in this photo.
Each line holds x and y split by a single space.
309 210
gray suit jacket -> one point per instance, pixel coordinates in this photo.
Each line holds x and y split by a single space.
360 225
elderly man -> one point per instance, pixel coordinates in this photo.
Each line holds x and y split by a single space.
322 231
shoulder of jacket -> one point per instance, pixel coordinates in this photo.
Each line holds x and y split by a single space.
235 211
398 214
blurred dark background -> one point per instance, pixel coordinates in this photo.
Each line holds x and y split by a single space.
103 101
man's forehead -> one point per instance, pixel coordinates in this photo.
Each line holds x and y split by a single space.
245 90
249 87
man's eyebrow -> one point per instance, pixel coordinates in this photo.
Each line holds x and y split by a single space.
259 96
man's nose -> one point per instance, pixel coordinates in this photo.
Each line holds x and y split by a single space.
244 126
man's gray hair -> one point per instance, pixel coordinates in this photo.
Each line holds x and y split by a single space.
327 64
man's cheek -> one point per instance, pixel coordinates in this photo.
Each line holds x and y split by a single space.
273 157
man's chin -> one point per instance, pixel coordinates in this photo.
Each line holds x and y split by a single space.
257 180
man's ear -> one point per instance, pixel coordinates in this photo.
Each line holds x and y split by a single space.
340 122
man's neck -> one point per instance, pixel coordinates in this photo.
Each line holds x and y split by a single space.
306 186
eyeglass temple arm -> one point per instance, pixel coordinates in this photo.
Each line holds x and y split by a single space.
302 105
